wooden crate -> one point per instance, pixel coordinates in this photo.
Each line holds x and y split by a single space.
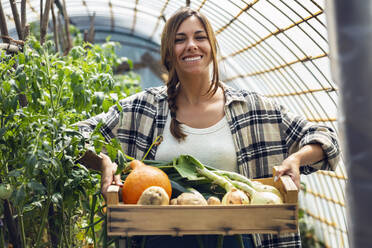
130 220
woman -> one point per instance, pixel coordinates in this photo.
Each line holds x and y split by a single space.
244 131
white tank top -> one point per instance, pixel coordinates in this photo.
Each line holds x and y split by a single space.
213 146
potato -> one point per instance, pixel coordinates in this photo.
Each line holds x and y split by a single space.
191 199
213 201
154 195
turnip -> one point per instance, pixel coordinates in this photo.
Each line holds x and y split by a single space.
258 197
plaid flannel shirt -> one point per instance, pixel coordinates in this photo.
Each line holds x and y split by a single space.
264 134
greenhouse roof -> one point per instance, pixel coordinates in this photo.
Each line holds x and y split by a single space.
278 48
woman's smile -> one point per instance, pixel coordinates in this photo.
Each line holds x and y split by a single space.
192 58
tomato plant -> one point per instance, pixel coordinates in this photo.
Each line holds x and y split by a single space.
54 201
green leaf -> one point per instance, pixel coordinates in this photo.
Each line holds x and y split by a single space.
36 186
130 63
99 97
6 86
15 173
106 104
21 78
21 58
121 162
186 166
20 195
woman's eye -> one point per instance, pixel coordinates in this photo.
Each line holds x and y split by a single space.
178 40
201 37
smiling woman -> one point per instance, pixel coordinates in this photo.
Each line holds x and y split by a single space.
249 132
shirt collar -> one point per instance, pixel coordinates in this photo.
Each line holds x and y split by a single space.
231 94
159 92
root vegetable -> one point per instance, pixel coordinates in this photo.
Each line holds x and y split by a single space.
213 201
258 197
154 195
235 197
188 198
265 198
268 188
173 201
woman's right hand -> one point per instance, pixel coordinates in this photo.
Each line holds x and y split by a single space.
108 177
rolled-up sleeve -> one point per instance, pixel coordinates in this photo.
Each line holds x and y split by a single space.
300 132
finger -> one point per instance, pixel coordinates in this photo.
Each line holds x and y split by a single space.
105 182
104 156
295 179
280 170
117 180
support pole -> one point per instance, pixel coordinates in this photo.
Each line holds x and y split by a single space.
3 27
350 36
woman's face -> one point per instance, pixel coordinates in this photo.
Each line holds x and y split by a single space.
192 48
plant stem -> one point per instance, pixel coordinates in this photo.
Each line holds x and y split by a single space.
2 240
143 242
239 238
244 187
64 225
200 241
235 176
43 220
129 242
69 228
219 180
157 141
92 212
46 57
21 226
219 241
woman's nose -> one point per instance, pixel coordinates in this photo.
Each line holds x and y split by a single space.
191 45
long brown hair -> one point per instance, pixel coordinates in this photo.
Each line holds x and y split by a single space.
168 59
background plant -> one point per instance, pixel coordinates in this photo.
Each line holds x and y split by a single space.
54 200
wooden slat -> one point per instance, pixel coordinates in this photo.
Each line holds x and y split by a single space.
129 220
112 195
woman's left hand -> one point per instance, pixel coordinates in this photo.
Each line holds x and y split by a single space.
290 167
308 154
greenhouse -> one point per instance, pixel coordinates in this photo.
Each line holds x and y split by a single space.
77 80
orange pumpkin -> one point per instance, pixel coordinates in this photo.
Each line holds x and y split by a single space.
142 177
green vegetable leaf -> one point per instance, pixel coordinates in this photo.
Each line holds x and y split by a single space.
121 162
20 196
186 166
